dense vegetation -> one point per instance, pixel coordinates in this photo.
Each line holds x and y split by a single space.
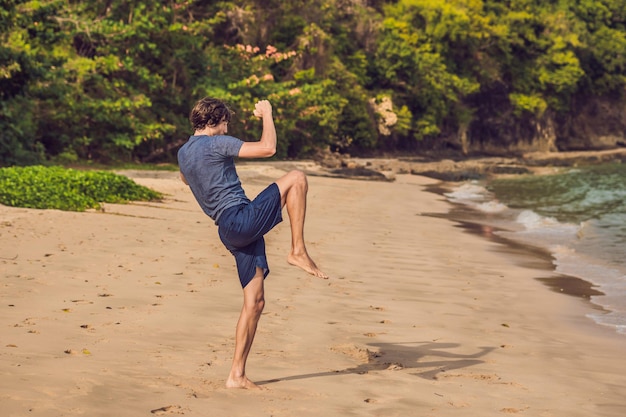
114 80
67 189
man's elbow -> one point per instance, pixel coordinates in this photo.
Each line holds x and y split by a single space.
269 152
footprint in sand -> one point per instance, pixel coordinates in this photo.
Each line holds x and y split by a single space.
168 409
361 354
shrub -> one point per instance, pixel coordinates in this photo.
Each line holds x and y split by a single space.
67 189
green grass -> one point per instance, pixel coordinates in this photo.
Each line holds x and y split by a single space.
68 189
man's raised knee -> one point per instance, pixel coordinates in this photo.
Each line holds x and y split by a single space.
295 179
299 177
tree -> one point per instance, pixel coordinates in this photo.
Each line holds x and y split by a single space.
23 63
114 81
415 57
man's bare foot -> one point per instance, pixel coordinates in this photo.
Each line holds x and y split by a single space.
305 262
243 383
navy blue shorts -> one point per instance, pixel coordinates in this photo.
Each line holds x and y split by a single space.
242 227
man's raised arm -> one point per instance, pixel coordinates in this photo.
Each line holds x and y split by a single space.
266 147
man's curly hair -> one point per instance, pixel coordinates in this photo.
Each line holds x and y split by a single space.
209 112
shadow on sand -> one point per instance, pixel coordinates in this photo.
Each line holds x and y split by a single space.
403 356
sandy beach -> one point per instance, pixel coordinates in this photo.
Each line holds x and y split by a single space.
131 311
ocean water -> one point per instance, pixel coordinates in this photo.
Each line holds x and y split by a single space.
578 215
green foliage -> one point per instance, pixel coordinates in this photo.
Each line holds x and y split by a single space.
114 82
550 70
601 26
17 133
67 189
411 60
531 104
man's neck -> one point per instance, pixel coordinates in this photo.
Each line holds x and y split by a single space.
206 131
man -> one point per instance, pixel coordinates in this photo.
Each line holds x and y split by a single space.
207 165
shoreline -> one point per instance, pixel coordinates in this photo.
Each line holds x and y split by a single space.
481 168
419 318
579 281
524 254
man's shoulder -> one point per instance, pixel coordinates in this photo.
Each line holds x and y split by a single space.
212 147
228 144
227 138
216 140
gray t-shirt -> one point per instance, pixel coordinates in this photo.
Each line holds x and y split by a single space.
208 166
